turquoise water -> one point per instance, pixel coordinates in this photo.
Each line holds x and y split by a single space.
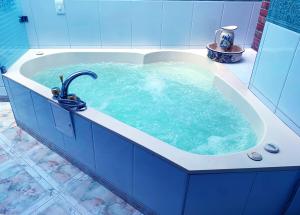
174 102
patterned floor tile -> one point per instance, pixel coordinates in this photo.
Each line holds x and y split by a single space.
36 180
57 206
53 164
19 190
19 140
97 199
3 156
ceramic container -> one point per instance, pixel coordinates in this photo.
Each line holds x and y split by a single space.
224 37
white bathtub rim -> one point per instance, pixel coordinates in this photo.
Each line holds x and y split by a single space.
189 161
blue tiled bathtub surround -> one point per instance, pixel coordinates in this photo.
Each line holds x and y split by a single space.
137 24
275 77
13 38
149 181
285 13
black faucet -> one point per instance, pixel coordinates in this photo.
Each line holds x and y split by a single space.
65 84
71 101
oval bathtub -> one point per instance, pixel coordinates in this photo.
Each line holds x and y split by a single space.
151 174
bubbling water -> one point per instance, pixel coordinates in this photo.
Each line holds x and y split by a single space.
174 102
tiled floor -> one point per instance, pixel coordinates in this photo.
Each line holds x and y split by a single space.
36 180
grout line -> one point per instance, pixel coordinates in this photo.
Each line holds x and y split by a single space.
67 24
249 193
258 56
222 14
191 25
34 25
131 18
99 24
162 22
248 27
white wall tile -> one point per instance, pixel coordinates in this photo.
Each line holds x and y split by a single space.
177 23
238 13
30 26
51 28
253 23
147 23
138 23
83 22
206 20
289 103
275 60
115 23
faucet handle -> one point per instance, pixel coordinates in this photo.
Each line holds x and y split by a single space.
61 77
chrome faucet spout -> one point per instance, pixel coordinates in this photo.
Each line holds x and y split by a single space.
67 82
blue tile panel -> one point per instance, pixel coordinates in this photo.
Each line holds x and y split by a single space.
157 183
276 76
270 192
23 105
218 193
81 147
285 13
45 121
294 206
136 23
113 156
13 37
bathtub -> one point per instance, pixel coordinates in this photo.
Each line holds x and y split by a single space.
154 176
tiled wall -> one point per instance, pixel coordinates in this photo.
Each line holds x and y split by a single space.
165 24
13 38
276 76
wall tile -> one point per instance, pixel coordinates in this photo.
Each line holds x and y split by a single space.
13 37
177 22
115 23
204 23
253 22
237 13
83 22
157 183
271 69
113 156
218 193
30 26
289 102
146 23
51 28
